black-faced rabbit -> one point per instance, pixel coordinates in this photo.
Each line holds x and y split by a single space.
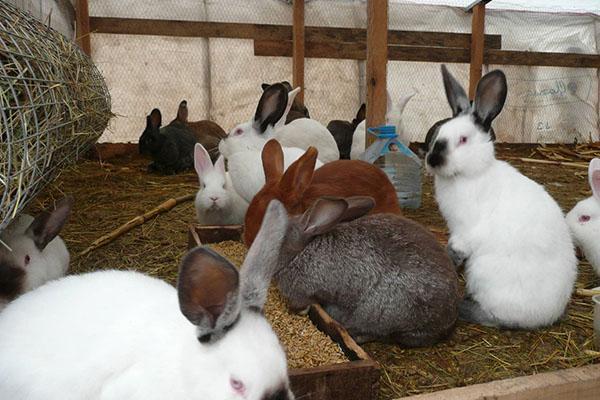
343 131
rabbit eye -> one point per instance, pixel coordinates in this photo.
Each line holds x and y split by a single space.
223 186
237 385
584 218
238 132
462 140
27 259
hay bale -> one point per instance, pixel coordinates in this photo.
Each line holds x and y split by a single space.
54 104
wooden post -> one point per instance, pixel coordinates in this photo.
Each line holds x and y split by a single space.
82 27
298 43
377 53
477 47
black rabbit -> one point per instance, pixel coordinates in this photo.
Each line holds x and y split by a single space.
171 147
343 131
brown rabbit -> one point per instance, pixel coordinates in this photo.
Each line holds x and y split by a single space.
301 185
207 133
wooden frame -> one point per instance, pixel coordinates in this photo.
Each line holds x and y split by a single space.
298 43
477 47
573 384
82 26
357 379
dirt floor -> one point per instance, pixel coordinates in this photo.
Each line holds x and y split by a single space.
111 193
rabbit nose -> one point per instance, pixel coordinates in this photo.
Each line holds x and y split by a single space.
214 198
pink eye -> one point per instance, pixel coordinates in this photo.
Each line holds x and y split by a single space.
27 259
584 218
462 140
238 386
238 132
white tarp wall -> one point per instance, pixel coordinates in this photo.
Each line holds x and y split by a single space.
221 78
59 14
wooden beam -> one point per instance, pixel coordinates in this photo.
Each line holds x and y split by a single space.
298 43
357 51
477 47
133 26
377 57
471 6
574 384
82 26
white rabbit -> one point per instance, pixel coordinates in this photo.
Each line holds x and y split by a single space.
33 253
242 150
584 219
114 335
269 123
393 116
217 202
520 261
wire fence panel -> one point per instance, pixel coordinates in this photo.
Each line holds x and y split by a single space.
53 106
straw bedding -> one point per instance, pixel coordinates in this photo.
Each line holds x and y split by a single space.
107 195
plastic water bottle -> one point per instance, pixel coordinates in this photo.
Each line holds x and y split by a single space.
400 164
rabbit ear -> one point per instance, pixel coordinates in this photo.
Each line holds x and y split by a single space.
323 216
262 259
208 292
298 176
358 206
264 86
271 107
47 225
182 112
362 113
489 98
291 96
404 101
594 177
155 118
389 103
202 162
220 164
272 160
457 98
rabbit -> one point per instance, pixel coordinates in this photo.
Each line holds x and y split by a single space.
298 110
382 276
511 234
171 148
584 219
393 116
301 185
124 335
217 203
32 253
207 133
269 122
342 132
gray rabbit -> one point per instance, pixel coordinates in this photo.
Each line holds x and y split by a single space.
383 277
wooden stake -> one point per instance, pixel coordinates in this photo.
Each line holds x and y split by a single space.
139 220
298 43
377 53
477 47
82 20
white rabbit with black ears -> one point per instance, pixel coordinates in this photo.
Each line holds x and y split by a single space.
519 258
116 335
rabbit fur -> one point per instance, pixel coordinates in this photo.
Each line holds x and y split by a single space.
300 185
342 132
393 116
33 253
115 335
519 259
584 219
382 276
298 109
217 202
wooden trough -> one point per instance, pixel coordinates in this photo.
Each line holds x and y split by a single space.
357 379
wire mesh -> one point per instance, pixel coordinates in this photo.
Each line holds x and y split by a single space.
221 78
53 105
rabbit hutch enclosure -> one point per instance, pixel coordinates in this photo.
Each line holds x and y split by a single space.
104 103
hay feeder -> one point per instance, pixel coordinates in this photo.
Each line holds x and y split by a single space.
54 104
357 379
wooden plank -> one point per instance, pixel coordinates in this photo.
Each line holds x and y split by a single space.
477 47
298 44
357 51
573 384
134 26
82 27
377 27
357 380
